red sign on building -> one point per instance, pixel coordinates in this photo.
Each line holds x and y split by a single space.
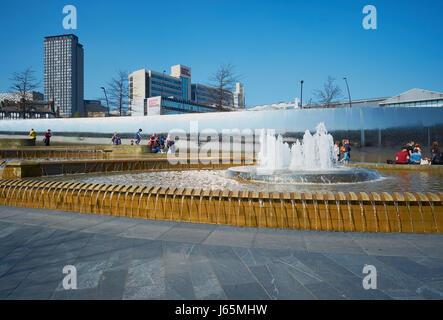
185 71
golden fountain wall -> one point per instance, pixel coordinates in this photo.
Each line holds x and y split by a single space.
374 212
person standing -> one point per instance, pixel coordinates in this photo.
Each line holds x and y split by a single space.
337 151
33 136
410 147
346 148
48 136
138 136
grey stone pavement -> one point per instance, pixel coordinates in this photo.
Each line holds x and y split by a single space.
123 258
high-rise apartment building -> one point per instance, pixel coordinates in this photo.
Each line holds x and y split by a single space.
63 78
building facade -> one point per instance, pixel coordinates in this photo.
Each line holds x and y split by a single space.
16 97
94 108
414 98
144 84
63 74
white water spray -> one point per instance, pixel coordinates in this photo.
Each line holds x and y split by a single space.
314 152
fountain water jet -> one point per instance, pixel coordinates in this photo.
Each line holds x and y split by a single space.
311 160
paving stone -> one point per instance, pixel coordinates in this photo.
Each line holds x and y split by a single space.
233 262
428 292
186 234
227 266
145 293
12 279
39 292
205 282
413 269
237 238
119 260
112 285
145 249
331 242
145 231
75 294
253 256
323 291
245 291
274 240
279 284
299 271
388 246
88 274
179 286
146 272
355 263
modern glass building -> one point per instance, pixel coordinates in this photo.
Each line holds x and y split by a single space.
208 95
144 84
63 74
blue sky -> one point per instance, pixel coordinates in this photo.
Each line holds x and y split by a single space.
272 44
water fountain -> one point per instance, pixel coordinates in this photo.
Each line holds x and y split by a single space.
311 160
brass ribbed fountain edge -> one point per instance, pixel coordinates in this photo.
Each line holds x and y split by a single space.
364 212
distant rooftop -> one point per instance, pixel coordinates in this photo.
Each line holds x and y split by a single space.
62 36
414 95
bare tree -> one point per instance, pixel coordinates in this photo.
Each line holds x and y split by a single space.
118 91
223 81
330 93
23 83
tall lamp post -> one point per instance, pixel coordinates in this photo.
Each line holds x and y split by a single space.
107 102
349 93
301 94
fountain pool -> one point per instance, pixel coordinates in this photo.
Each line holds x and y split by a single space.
311 160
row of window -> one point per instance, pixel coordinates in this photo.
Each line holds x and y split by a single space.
165 85
159 91
429 103
185 106
167 79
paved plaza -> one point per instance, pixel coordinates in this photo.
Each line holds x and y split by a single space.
123 258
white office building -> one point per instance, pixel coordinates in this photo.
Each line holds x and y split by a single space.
145 84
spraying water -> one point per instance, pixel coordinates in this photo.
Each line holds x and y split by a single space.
314 152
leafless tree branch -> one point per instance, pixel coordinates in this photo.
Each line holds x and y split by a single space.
22 83
329 94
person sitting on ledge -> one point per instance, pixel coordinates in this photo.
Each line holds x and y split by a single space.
402 156
116 139
415 157
437 157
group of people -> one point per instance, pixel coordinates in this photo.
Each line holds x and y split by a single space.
344 150
412 154
46 139
156 143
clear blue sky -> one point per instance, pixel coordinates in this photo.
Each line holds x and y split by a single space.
273 44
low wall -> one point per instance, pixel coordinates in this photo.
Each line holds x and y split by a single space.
11 142
23 169
374 212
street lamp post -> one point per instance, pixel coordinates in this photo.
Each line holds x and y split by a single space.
107 102
349 93
301 94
